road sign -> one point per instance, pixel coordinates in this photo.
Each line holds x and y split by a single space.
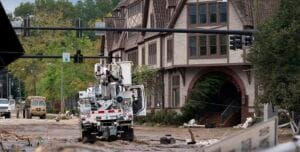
66 57
100 25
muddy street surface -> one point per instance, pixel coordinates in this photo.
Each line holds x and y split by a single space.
28 134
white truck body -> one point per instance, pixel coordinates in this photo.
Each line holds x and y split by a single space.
114 103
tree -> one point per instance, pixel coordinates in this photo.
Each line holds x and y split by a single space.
276 57
24 9
203 92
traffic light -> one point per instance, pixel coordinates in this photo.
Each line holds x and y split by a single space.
78 25
78 57
26 25
236 42
232 42
248 40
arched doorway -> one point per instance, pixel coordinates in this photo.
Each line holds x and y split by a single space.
223 108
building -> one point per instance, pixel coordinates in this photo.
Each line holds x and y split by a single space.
183 59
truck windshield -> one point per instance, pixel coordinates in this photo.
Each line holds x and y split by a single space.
38 103
3 101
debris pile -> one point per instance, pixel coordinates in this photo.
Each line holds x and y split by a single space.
248 123
5 135
192 124
65 116
167 139
69 147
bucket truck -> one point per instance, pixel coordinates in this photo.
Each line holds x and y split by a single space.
114 102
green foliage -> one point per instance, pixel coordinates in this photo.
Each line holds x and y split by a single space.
163 117
43 76
24 9
276 57
148 77
202 93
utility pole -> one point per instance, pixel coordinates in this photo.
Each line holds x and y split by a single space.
62 104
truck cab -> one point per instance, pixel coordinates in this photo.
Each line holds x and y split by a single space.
5 108
35 106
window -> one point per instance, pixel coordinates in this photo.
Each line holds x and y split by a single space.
213 44
192 46
192 12
134 9
170 50
212 12
207 45
152 54
202 45
133 56
223 44
202 13
223 12
175 91
143 56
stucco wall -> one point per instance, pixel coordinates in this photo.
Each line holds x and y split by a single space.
235 56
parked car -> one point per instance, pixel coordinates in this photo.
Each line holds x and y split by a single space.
5 108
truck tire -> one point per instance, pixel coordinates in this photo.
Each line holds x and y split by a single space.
87 137
7 115
128 134
43 117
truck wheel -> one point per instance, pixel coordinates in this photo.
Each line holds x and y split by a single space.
128 134
7 115
87 137
43 117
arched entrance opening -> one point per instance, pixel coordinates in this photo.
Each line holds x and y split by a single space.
222 107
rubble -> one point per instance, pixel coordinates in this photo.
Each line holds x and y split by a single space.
248 123
167 139
192 124
65 116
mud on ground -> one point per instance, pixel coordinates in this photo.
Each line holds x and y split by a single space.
28 134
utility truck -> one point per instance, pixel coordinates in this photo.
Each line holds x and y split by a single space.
114 102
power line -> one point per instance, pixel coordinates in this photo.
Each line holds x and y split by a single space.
166 30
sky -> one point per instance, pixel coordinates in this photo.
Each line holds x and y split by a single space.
10 5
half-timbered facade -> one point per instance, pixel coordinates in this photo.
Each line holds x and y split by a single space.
182 58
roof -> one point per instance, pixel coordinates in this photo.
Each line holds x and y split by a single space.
244 10
10 46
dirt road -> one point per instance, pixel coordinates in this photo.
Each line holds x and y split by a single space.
26 135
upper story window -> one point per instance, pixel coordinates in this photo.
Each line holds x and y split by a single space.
208 13
170 49
212 12
201 46
192 14
223 12
152 54
202 13
134 9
